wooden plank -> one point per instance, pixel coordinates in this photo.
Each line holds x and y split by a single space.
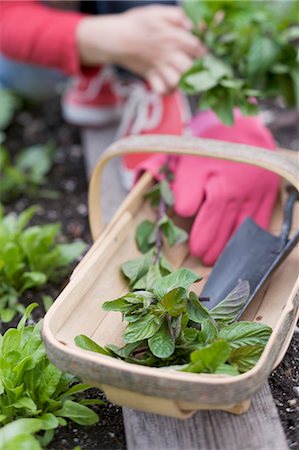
94 143
258 429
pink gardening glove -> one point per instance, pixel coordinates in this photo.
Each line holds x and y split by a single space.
221 194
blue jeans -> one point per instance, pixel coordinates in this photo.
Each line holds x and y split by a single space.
36 82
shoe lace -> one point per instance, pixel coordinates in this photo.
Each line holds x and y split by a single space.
143 110
96 83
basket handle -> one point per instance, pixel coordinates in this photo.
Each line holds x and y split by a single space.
275 161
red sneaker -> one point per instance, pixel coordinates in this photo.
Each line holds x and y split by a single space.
93 100
148 113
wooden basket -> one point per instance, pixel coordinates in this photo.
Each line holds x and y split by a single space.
97 278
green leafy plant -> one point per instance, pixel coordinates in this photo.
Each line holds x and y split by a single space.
252 51
9 103
168 325
30 256
35 396
27 173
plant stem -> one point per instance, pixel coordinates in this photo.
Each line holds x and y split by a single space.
159 240
162 212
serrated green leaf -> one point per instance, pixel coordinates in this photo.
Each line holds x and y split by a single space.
209 331
174 234
262 53
142 329
137 268
183 278
162 343
229 309
245 358
143 232
227 369
165 266
174 301
153 276
195 309
243 334
208 358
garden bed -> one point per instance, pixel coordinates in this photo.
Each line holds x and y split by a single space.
68 206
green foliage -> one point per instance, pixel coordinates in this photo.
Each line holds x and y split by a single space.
9 103
27 173
35 396
252 51
169 326
29 257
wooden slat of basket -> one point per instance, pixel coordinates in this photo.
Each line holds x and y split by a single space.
258 429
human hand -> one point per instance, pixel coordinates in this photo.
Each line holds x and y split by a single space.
220 194
154 42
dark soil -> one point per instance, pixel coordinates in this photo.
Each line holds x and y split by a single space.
41 123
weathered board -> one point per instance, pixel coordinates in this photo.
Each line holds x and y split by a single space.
258 429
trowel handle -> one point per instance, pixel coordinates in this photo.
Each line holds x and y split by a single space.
288 214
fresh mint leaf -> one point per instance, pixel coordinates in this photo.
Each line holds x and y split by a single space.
162 344
243 334
165 266
208 358
245 358
238 62
154 195
174 301
228 310
86 343
183 278
261 55
152 276
209 331
227 369
142 329
166 193
195 309
143 232
125 351
136 268
174 234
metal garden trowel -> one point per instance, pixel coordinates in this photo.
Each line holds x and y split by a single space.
252 254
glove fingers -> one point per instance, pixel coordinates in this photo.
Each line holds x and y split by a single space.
249 209
226 226
188 187
213 224
262 215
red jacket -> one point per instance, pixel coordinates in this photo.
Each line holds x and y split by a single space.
32 32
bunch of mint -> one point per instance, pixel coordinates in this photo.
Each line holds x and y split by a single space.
168 326
252 51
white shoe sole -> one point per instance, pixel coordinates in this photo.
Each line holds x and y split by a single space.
83 116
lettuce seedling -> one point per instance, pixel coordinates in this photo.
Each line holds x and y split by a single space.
27 173
29 257
35 396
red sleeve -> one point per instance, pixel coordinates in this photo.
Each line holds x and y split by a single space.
35 33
